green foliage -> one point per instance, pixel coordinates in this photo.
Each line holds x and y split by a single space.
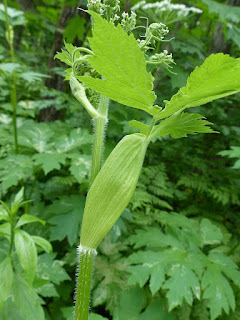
234 152
181 124
190 176
127 80
175 260
206 84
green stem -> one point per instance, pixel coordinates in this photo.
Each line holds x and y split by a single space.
86 261
12 236
99 130
9 38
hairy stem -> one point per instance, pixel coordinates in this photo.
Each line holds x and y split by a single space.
9 38
99 130
86 261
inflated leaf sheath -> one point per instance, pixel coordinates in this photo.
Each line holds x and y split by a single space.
112 189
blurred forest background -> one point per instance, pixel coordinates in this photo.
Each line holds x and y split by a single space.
188 195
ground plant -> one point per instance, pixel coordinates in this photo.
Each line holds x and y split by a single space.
162 231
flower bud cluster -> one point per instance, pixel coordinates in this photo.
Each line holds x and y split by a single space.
163 58
108 9
157 31
128 23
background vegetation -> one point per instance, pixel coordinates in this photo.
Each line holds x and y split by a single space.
187 200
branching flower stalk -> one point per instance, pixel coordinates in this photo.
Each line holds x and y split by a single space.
13 95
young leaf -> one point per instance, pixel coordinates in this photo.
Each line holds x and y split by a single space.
181 124
26 252
217 77
43 243
3 214
27 218
6 275
66 54
119 59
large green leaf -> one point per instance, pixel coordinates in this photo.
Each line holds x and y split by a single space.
26 252
217 77
6 275
119 59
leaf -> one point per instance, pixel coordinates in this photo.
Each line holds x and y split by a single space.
78 137
183 284
27 253
181 124
210 234
6 276
50 269
156 311
139 125
217 77
234 152
80 166
43 243
75 29
4 215
50 161
119 59
131 303
94 316
27 218
218 291
26 300
66 54
47 290
228 267
233 33
5 229
31 76
14 169
16 17
10 311
36 136
9 67
68 223
226 12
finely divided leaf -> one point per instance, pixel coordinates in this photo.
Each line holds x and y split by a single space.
119 59
217 77
181 124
